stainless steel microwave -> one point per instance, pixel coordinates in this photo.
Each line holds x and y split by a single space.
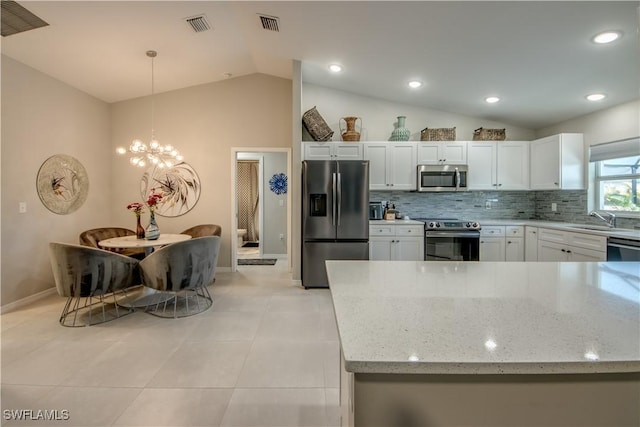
443 178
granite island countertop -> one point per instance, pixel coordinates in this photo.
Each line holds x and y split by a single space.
419 317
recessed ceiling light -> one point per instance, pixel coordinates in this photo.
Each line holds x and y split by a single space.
415 84
607 37
335 68
596 96
492 99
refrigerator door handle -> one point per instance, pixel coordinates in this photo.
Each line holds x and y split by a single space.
339 188
334 198
457 179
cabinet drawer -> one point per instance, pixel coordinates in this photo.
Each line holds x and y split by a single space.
588 241
515 230
492 231
409 230
382 230
549 235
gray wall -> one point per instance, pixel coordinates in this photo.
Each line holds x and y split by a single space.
378 116
41 117
275 216
204 122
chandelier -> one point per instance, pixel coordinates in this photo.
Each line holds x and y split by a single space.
161 156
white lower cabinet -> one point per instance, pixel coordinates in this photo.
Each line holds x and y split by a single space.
531 243
555 245
502 243
492 244
390 242
492 249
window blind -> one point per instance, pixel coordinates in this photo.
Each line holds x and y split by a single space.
614 150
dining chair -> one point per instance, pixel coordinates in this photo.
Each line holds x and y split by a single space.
92 237
203 230
185 270
86 276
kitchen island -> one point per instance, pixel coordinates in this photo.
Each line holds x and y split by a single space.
468 343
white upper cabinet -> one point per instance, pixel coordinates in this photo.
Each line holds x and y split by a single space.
332 151
482 165
442 153
513 165
392 165
498 165
557 162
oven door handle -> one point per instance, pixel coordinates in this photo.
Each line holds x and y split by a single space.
470 234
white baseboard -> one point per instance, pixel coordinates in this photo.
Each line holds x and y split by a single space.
12 306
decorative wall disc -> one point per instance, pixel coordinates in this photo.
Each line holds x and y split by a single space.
179 184
62 184
278 183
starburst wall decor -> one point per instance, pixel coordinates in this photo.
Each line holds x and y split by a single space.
278 183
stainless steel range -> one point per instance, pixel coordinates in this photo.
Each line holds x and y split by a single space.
448 239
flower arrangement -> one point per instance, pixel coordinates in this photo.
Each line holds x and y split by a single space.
136 207
154 199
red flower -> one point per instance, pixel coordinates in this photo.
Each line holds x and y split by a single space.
154 199
135 207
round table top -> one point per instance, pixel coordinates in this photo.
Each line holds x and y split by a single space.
134 242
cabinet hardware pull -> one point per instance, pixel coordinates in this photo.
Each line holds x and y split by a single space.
568 251
563 250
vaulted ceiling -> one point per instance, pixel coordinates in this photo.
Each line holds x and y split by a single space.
538 57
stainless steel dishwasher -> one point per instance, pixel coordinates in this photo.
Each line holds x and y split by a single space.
623 249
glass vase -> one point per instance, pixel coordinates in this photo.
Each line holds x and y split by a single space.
152 232
139 228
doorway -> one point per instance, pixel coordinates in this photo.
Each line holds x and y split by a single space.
260 210
249 188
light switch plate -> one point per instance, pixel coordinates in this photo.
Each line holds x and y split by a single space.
22 207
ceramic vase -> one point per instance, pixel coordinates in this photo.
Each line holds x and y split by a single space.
350 134
400 133
152 232
139 228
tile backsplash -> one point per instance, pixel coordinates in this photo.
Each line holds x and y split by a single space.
571 205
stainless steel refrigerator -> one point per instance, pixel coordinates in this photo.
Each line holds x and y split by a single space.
335 216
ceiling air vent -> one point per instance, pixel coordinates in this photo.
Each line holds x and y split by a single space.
271 23
198 23
16 19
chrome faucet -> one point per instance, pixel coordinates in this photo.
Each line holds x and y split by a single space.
611 220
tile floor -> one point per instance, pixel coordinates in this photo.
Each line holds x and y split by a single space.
265 354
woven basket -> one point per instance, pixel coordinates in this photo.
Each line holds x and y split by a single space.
316 126
482 134
440 134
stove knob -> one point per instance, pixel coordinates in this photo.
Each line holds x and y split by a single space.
437 225
468 225
476 225
431 224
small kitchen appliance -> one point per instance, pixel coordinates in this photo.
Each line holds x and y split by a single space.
443 178
376 210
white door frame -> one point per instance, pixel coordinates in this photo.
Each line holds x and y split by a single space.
234 200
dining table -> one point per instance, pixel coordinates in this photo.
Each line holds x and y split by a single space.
144 296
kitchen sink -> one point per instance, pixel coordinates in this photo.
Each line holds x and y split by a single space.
592 227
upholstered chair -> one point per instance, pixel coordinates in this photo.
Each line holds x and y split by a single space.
85 276
184 269
94 236
203 230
